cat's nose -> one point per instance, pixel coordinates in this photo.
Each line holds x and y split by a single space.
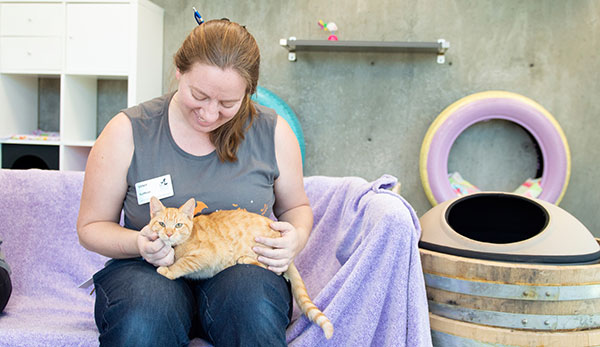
169 232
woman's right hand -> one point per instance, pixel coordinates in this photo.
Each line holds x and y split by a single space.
153 249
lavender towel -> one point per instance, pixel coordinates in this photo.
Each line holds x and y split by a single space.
361 264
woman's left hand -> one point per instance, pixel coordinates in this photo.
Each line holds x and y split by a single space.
278 253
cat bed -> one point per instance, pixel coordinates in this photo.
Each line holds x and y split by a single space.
507 227
480 107
361 264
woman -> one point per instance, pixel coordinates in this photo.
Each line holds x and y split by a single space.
208 141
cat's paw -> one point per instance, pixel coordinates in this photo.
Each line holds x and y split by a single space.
163 270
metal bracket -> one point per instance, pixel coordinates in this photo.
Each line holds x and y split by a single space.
289 44
444 45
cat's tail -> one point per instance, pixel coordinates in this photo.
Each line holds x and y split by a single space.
305 303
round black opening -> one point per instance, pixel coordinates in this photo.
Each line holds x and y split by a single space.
497 218
29 162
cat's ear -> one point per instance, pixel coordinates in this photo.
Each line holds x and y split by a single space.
188 208
155 206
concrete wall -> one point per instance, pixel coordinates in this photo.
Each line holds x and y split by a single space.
365 114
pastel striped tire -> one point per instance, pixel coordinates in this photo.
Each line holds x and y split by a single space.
267 98
479 107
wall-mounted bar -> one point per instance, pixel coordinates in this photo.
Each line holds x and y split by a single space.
293 45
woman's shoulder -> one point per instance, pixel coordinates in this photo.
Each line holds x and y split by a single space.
260 137
116 138
266 118
276 124
153 108
266 113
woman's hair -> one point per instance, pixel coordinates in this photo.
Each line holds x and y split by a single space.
226 45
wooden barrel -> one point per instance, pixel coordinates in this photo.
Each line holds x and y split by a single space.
447 332
511 304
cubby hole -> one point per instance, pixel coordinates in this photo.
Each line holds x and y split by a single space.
92 102
112 98
21 157
28 102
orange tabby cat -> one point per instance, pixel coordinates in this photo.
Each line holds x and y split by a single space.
207 244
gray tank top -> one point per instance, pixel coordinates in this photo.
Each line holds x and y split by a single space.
246 183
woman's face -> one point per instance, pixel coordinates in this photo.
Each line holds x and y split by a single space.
209 97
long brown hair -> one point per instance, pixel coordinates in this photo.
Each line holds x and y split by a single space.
226 45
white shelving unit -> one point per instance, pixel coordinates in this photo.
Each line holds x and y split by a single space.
79 42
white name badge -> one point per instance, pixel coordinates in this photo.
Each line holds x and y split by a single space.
161 187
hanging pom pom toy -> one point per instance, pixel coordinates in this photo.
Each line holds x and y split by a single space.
322 25
331 27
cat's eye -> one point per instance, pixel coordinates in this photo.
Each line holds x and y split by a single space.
162 224
178 225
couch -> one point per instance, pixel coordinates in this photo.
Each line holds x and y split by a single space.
361 264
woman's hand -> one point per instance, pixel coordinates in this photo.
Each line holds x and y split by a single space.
153 249
279 252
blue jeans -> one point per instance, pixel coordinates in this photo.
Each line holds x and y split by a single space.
244 305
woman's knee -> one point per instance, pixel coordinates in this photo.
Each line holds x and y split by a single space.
134 304
255 286
247 292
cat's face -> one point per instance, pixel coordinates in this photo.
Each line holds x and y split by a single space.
173 225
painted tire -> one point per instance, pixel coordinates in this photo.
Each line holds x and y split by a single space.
446 128
267 98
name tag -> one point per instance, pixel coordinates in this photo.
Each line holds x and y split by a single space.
161 187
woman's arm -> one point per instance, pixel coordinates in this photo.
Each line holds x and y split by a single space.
292 207
104 189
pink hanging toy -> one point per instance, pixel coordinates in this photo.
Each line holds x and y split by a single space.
331 27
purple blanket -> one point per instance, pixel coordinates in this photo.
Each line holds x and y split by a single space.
38 212
361 264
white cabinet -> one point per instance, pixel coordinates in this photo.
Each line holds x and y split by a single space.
31 54
100 40
78 42
31 37
27 19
